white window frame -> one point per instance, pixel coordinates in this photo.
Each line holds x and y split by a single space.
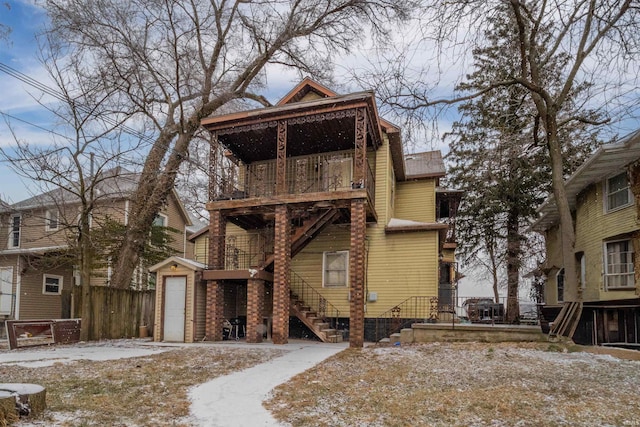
12 231
559 297
6 298
607 194
60 280
629 275
345 254
49 215
165 220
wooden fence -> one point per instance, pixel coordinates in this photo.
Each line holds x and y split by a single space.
117 313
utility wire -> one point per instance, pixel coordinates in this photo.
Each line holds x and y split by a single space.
59 96
34 125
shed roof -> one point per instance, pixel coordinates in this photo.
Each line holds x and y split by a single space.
424 165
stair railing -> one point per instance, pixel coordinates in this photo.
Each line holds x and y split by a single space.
416 309
304 292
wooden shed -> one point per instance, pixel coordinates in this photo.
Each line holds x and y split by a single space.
180 300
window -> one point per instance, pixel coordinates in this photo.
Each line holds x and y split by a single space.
618 265
335 269
617 192
14 232
6 290
583 271
52 285
560 284
52 220
160 220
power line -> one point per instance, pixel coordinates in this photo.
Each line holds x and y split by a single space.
61 97
34 125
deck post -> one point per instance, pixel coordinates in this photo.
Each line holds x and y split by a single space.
360 155
215 289
357 273
215 310
281 275
281 159
255 309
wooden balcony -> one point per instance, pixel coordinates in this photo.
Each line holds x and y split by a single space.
249 191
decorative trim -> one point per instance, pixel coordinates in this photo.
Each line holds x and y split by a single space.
281 158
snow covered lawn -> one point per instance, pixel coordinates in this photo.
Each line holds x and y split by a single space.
122 382
465 384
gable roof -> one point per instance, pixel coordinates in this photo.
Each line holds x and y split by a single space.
608 160
184 262
115 183
306 86
291 105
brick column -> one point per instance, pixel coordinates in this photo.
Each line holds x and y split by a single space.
255 310
282 254
215 310
357 273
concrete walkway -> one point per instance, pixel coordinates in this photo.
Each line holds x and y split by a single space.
235 400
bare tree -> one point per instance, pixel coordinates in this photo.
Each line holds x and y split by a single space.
5 30
596 43
171 63
85 152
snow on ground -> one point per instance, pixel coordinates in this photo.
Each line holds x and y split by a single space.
35 357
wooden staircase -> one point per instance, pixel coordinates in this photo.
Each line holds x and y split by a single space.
313 310
316 323
567 320
303 235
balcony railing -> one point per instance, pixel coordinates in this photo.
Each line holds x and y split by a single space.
325 172
244 251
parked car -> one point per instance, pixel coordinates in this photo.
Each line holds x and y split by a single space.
483 310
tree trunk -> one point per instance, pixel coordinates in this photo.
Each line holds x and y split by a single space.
152 192
634 183
567 231
513 266
86 268
494 270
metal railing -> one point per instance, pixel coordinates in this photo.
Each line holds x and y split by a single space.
304 174
244 251
311 298
425 309
417 309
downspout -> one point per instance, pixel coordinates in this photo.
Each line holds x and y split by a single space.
184 241
16 313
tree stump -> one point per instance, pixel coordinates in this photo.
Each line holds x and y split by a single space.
20 400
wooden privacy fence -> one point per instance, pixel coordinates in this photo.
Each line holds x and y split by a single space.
117 313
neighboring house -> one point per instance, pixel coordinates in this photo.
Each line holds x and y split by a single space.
316 215
607 238
34 242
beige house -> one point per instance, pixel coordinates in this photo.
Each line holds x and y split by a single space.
36 273
607 238
320 224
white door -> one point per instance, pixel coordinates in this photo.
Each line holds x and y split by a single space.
175 291
6 288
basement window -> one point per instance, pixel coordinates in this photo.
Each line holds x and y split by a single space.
335 269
